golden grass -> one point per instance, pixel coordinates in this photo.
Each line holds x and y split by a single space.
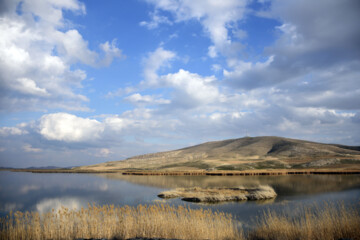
154 221
197 194
331 221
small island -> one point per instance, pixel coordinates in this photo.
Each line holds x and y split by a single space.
213 195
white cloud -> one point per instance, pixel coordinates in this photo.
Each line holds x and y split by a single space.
240 34
103 152
137 98
74 48
28 86
188 90
212 52
156 20
29 148
6 131
121 91
115 123
37 50
215 17
155 61
111 52
191 88
69 128
216 67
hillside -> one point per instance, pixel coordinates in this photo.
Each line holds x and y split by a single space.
241 154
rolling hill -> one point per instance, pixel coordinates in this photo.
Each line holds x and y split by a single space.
242 154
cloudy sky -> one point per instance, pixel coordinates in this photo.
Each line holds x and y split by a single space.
84 82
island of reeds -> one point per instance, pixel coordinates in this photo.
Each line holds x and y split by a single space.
332 221
222 194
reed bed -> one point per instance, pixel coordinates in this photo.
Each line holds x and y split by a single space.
212 195
331 221
108 221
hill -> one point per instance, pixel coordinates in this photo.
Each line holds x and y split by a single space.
242 154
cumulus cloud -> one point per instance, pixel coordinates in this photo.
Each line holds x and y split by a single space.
37 50
188 90
191 89
156 60
69 128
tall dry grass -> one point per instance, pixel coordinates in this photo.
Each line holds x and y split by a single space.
154 221
331 221
197 194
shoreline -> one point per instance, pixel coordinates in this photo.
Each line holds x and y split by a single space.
268 172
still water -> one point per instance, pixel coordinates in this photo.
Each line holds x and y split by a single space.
43 192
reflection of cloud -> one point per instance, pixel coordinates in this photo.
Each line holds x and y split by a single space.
47 205
25 189
11 207
104 187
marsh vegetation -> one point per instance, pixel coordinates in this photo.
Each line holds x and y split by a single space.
334 221
221 194
330 221
108 221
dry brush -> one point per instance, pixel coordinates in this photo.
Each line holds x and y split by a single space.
153 221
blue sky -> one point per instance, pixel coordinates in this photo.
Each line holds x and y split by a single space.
84 82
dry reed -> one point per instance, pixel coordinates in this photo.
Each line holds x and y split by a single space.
108 221
331 221
197 194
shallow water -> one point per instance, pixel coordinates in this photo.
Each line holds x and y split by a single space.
45 191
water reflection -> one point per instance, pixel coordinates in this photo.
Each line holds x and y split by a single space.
43 192
46 205
287 185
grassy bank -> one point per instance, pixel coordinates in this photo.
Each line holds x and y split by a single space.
162 221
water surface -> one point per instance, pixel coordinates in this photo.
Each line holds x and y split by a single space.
45 191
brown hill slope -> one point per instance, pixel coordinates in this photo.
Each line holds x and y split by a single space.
241 154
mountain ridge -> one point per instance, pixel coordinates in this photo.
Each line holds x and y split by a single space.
266 152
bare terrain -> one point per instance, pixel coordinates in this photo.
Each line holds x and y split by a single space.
248 153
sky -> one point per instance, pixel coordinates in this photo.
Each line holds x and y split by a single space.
84 82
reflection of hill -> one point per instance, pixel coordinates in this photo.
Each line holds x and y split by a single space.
241 154
283 185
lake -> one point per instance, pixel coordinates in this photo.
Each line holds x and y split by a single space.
45 191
